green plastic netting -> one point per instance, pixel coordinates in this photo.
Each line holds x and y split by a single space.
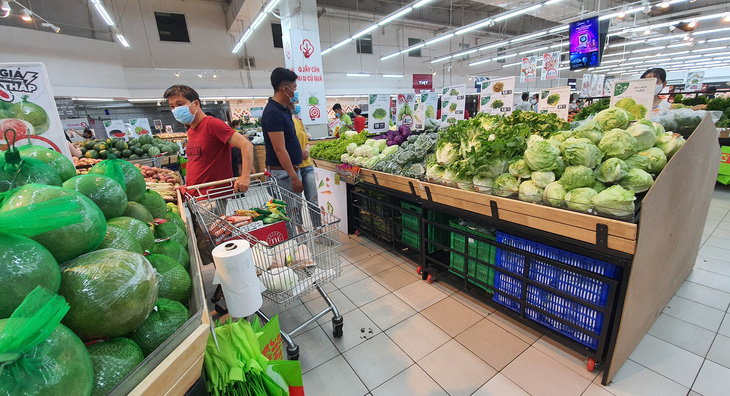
119 238
104 191
139 212
59 162
174 250
175 218
27 171
133 181
172 280
139 230
112 361
163 321
167 229
154 202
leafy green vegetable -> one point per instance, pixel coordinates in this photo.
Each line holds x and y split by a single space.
542 156
542 179
554 194
520 169
582 153
579 199
637 180
505 185
577 176
589 130
670 143
657 159
644 134
332 150
618 143
615 201
611 170
639 162
611 118
592 109
529 192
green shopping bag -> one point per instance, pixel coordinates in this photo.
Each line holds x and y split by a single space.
724 172
269 338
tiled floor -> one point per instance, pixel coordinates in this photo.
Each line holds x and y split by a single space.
403 336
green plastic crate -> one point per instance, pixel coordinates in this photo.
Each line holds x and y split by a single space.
408 220
436 234
411 238
472 247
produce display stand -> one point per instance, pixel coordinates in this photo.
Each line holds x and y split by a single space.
638 265
177 364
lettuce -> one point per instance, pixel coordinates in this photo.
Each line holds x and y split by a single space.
614 117
618 143
611 170
639 162
582 153
529 192
520 169
589 130
615 201
542 179
657 159
505 185
554 194
644 134
577 176
579 199
351 148
670 143
637 180
542 156
482 185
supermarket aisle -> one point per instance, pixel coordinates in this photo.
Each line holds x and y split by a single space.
406 337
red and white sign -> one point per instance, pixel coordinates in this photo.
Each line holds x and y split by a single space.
303 55
550 64
529 69
423 82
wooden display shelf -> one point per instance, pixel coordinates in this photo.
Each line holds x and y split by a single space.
322 164
393 182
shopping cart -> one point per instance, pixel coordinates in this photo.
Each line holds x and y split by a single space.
290 266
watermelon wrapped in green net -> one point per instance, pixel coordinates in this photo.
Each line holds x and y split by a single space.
154 202
41 356
173 250
139 230
26 171
139 212
133 181
167 229
112 360
106 193
119 238
175 218
59 162
164 320
66 242
110 292
173 281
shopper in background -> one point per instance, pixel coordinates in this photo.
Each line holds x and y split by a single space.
533 103
283 153
710 93
573 105
235 151
307 167
466 114
660 105
88 134
525 104
344 118
208 151
359 121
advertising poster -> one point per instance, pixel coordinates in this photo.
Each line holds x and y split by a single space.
584 44
597 84
693 81
74 128
497 96
404 106
608 85
140 126
550 65
419 114
116 129
302 54
379 107
453 101
585 86
331 195
528 70
28 107
429 107
257 112
555 100
634 96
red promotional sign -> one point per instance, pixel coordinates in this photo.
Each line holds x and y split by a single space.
422 82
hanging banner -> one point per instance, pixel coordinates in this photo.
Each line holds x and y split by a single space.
453 102
693 81
608 85
116 129
302 54
555 100
422 82
378 111
74 128
528 70
139 127
29 108
405 105
497 96
332 195
585 87
634 96
597 84
429 106
550 65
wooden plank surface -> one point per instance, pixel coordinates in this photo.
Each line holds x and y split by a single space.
672 219
324 164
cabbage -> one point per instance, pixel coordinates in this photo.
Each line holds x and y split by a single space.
449 177
579 199
645 135
345 158
589 130
371 151
614 117
657 159
505 185
349 134
659 128
520 169
542 179
358 152
561 136
529 192
618 143
446 153
611 170
555 142
598 186
435 173
369 142
533 139
615 201
582 153
637 180
542 156
371 162
670 143
351 148
381 144
482 185
639 162
492 168
577 176
554 194
572 141
559 168
389 150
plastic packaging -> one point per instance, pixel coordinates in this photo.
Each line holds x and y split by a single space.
119 238
167 229
131 177
59 162
139 230
110 292
154 202
173 250
112 361
104 191
164 320
26 171
173 282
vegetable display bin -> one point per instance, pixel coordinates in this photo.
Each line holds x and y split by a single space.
474 248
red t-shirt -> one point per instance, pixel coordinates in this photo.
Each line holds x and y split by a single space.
359 123
208 152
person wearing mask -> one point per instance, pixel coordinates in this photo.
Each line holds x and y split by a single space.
344 118
533 103
525 104
209 140
88 134
307 167
283 153
660 105
359 121
573 105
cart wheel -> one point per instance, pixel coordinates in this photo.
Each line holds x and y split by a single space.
591 364
293 353
357 233
419 269
424 274
337 324
430 278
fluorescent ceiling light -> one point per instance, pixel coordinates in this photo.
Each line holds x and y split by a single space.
512 64
679 45
366 31
551 2
559 45
621 13
518 12
490 46
710 31
627 43
258 20
564 68
122 40
358 75
341 43
93 99
6 6
676 36
393 75
528 37
328 50
239 97
613 61
533 50
464 53
474 27
437 39
711 16
270 6
647 49
616 54
559 29
142 100
445 58
481 62
395 16
421 3
503 57
709 49
102 12
414 48
393 55
718 39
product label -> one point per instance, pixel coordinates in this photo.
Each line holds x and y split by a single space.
555 100
497 96
634 96
378 111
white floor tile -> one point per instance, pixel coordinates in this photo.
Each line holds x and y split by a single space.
420 295
704 295
451 316
713 265
695 313
714 252
682 334
713 380
350 275
725 327
634 379
364 291
388 311
377 360
668 360
523 332
500 385
566 357
720 351
317 305
356 329
334 378
533 370
417 336
314 348
413 382
596 390
710 279
457 370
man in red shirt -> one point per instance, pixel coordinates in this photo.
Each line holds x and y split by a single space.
209 140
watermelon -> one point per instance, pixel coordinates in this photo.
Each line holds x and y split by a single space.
63 364
32 113
89 144
173 281
24 265
154 202
163 321
167 229
92 154
145 139
133 179
138 151
28 171
153 151
59 162
142 232
66 242
103 154
173 250
126 153
110 292
175 218
139 212
112 360
119 238
121 145
106 193
146 147
133 156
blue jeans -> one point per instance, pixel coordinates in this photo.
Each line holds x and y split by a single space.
310 192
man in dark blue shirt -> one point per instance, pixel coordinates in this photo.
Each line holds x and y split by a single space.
283 152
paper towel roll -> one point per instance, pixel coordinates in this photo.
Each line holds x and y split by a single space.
235 269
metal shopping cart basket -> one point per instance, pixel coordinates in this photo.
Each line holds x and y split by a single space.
289 266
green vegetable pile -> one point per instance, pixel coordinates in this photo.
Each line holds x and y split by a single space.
332 150
592 109
497 104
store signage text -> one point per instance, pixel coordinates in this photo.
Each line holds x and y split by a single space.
18 81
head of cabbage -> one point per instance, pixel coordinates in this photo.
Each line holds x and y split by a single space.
582 153
611 170
670 143
542 156
542 179
644 134
657 159
482 185
505 185
577 176
618 143
554 194
446 153
614 117
579 199
559 167
589 130
637 181
492 167
520 169
614 201
435 173
533 139
571 141
351 148
598 186
639 162
529 192
561 136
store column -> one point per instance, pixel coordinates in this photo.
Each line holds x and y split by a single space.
303 55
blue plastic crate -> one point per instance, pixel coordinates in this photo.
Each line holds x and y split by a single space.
508 285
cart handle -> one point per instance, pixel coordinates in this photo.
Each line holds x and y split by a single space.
197 187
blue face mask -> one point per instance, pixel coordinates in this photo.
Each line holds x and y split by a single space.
294 98
338 115
297 110
182 114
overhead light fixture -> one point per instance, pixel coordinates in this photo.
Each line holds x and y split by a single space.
528 37
366 31
559 29
445 58
533 50
215 75
177 73
51 26
358 75
395 16
159 104
438 39
327 51
421 3
512 64
26 15
240 44
551 2
516 13
393 55
559 45
393 75
5 9
122 40
412 48
465 53
726 18
490 46
718 39
475 27
481 62
711 31
647 50
341 43
647 32
270 6
692 24
503 57
709 49
664 4
102 12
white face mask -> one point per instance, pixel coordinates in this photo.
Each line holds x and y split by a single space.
533 101
658 89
